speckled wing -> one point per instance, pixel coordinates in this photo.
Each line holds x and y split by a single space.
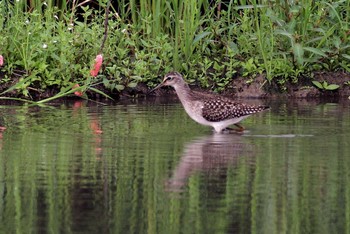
218 109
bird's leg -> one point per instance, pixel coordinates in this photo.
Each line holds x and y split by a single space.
240 128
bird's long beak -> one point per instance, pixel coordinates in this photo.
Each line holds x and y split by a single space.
157 87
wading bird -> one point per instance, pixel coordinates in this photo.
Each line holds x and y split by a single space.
209 109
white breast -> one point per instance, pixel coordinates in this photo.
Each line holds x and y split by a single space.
195 112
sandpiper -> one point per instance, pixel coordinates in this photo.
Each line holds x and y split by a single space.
209 109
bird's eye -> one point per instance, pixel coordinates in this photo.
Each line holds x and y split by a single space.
169 78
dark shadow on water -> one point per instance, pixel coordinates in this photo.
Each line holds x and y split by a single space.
217 151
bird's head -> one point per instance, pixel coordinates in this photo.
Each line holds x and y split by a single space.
170 79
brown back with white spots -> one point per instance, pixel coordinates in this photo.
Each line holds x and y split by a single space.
218 109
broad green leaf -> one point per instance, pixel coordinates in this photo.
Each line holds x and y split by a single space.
284 33
317 84
332 87
313 40
105 82
298 53
336 42
346 56
200 37
132 85
295 9
217 66
145 43
315 51
233 46
119 87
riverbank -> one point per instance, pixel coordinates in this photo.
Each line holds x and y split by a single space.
261 88
239 87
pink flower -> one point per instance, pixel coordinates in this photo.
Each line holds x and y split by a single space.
78 93
97 65
1 60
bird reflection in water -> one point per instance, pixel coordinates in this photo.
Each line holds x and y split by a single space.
218 151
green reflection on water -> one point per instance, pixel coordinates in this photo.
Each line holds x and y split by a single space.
148 168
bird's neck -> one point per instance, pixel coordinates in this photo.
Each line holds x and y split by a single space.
183 91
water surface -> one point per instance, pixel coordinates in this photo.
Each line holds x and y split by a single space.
145 167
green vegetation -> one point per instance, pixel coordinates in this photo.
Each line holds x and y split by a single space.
52 45
325 86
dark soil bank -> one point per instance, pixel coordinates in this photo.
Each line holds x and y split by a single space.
303 89
239 88
261 88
